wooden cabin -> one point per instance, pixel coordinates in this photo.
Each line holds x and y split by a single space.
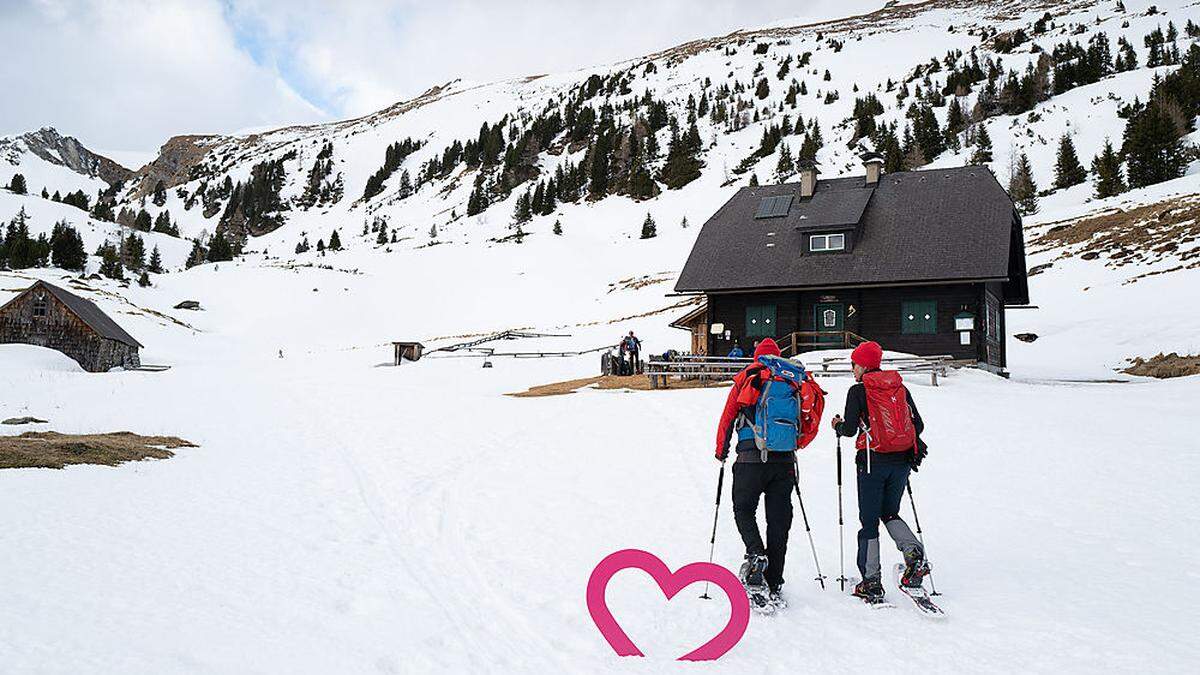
923 262
48 316
406 351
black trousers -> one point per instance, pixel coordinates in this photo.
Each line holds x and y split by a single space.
774 481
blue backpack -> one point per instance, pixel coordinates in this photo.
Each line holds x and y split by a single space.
776 424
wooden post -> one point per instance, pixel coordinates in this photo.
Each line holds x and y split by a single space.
933 376
794 352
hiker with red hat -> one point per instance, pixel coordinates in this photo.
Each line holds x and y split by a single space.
881 412
775 408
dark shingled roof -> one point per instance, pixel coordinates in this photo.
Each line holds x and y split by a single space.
935 225
89 313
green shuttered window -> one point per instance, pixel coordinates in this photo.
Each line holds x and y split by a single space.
918 317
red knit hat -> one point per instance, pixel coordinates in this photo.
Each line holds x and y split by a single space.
868 355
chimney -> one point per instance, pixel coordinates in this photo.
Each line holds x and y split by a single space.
873 162
808 178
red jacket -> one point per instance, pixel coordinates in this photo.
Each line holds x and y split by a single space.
741 395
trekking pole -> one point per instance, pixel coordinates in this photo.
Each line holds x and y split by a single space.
920 536
804 515
841 524
712 542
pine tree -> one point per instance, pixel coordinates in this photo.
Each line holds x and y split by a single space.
1022 188
433 233
785 167
45 195
763 89
683 224
133 252
110 263
219 249
1067 170
557 227
649 229
753 180
163 224
142 221
144 280
1107 167
523 211
197 256
159 196
17 184
1153 145
66 248
156 261
983 147
335 241
382 238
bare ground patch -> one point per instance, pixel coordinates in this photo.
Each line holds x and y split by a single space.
1165 365
1143 235
627 382
52 450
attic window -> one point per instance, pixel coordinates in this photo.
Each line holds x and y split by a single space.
40 306
774 207
819 243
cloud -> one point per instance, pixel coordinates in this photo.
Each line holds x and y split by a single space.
362 56
127 75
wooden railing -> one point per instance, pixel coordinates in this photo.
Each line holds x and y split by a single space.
934 366
693 367
808 340
719 368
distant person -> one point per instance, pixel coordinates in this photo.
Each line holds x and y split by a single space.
736 352
633 347
881 412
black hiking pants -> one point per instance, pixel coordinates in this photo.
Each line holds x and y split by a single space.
774 481
879 495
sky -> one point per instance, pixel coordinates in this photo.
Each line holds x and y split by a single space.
125 75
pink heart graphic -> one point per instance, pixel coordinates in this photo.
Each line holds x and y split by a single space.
739 616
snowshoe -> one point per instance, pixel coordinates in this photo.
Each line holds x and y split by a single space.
775 597
752 576
919 595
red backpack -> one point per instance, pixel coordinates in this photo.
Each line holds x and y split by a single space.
891 425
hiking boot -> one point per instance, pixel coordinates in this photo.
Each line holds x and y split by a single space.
869 589
915 570
753 570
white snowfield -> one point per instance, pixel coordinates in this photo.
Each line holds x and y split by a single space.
344 516
340 516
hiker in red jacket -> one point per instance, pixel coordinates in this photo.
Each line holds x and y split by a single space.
881 412
757 472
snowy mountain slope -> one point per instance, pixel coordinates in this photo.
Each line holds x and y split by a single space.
884 46
59 163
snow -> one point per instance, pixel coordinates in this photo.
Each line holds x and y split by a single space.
341 515
22 361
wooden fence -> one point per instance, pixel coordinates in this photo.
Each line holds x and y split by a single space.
717 368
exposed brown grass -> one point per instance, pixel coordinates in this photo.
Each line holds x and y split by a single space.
627 382
1165 365
1142 235
52 450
